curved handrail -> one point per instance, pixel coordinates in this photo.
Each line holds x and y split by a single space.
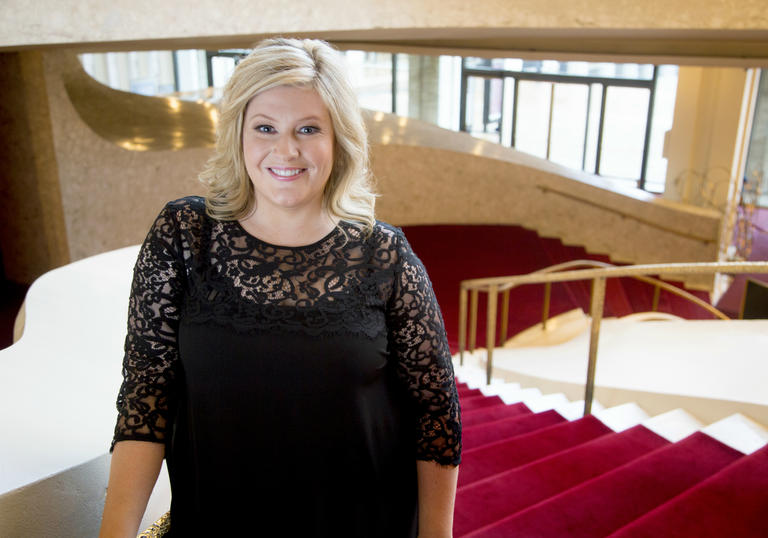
598 273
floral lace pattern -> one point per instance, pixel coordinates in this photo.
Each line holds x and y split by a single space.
208 271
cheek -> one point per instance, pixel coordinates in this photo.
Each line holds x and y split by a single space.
254 150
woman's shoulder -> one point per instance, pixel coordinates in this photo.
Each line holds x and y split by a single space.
387 232
180 216
186 211
390 237
187 204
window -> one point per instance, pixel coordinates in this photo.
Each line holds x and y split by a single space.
603 118
598 117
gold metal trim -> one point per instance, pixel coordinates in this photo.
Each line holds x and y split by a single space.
159 528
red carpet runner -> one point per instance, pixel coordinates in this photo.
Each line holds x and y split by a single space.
538 475
452 253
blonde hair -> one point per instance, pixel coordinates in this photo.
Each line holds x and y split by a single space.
308 63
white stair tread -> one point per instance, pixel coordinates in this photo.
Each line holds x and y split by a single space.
673 425
499 388
474 377
546 402
575 410
739 432
621 417
520 395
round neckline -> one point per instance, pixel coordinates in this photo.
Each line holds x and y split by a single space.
250 236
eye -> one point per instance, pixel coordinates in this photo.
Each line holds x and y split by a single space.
308 129
265 129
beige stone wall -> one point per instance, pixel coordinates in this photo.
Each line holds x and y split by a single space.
32 230
110 195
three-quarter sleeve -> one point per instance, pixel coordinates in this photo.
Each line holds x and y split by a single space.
418 340
151 353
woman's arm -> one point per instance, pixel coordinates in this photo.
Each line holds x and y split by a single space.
437 490
132 475
149 371
418 340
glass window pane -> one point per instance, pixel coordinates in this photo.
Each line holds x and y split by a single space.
663 113
221 70
593 131
484 106
569 118
626 111
371 76
403 83
532 121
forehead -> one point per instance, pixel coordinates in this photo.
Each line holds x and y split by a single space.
288 101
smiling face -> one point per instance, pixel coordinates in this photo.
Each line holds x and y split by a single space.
288 148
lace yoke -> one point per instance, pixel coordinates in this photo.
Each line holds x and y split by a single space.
196 270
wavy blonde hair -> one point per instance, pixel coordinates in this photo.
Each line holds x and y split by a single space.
311 63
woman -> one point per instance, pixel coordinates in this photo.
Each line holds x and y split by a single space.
285 353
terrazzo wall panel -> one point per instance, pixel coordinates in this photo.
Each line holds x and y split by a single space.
32 232
110 195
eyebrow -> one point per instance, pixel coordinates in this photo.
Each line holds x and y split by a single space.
268 118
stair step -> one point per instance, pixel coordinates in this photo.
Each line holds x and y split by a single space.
739 432
466 392
674 425
487 414
610 501
497 389
729 503
503 494
622 417
487 460
490 432
520 395
546 402
470 374
477 402
574 410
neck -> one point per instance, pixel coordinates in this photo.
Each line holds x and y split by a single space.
289 228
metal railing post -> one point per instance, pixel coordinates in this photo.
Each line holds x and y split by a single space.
490 339
462 323
596 313
545 308
656 293
504 316
473 319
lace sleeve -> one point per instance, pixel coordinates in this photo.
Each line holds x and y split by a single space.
417 337
150 345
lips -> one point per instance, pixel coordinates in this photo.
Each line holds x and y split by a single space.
286 174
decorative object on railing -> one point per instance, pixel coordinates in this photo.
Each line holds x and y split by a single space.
598 273
708 188
745 212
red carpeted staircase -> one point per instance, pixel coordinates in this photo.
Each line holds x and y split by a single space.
539 475
452 253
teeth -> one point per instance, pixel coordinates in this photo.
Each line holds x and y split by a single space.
286 172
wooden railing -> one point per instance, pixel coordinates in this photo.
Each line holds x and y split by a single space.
598 273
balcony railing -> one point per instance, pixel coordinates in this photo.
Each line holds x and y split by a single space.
598 273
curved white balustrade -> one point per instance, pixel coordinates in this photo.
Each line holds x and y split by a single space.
58 386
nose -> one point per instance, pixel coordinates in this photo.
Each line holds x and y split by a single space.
286 146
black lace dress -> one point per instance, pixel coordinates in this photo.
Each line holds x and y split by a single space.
294 388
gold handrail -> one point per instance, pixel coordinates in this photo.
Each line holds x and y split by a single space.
598 273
